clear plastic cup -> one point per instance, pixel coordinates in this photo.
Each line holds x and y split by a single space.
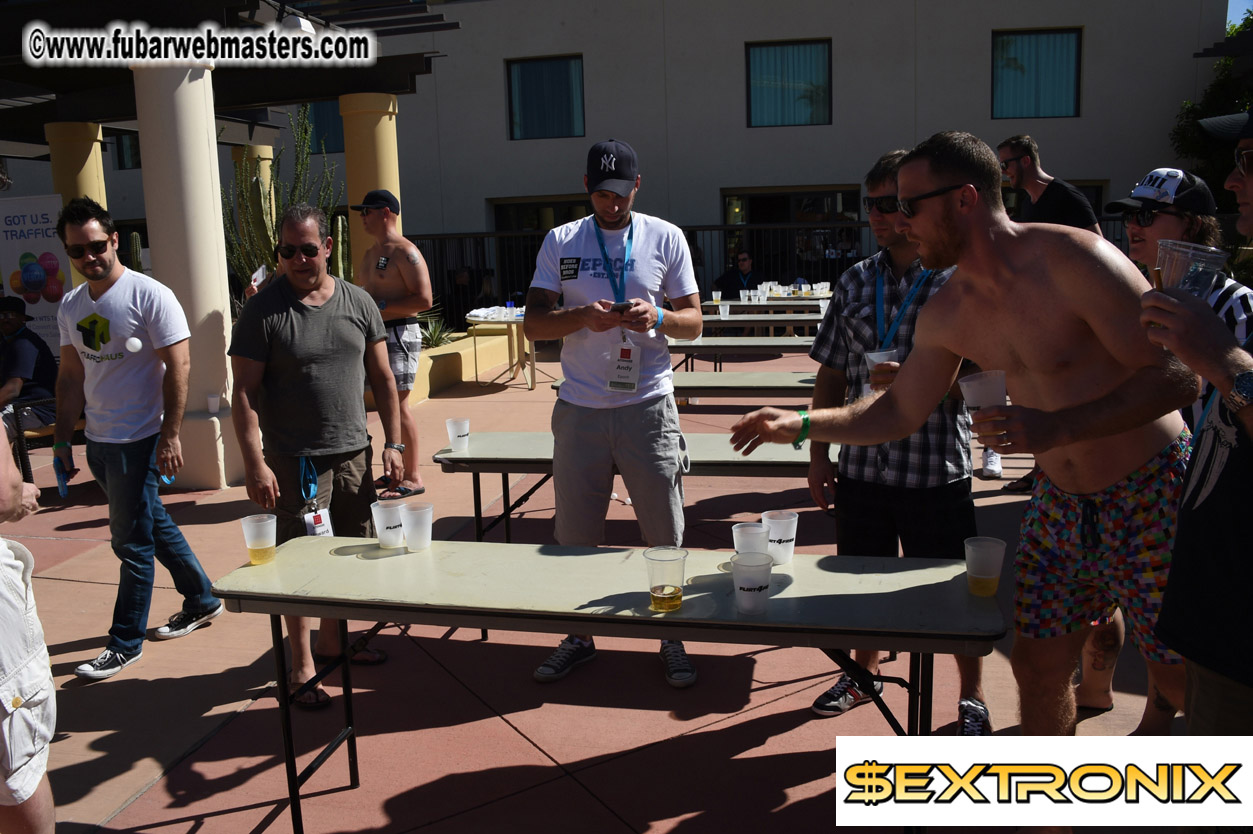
214 402
876 357
750 537
1189 266
387 524
717 295
987 388
782 524
416 519
724 311
984 556
458 433
665 577
750 573
260 534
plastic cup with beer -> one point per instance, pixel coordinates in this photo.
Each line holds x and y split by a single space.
986 388
782 525
1190 266
387 526
750 537
750 573
458 433
260 532
984 556
665 577
416 519
717 295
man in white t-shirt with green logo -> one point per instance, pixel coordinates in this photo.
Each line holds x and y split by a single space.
616 407
125 359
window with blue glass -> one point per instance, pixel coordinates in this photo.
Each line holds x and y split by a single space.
327 127
1035 75
546 97
789 83
126 151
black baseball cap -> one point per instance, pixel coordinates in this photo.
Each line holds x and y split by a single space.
1233 128
611 166
379 198
13 304
1168 188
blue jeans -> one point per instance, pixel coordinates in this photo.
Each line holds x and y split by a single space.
140 529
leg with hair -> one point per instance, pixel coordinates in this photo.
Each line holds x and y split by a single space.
1165 698
37 815
1100 656
1043 668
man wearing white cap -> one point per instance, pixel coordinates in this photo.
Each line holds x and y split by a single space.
616 410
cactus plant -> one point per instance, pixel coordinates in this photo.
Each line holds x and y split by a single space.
341 251
137 252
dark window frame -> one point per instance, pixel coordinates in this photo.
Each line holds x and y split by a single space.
748 80
1077 31
120 160
582 101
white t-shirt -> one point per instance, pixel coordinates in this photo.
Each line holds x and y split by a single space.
570 263
123 389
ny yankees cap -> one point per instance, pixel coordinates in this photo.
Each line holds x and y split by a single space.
1233 128
1168 188
611 166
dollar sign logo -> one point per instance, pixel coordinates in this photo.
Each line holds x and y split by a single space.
871 779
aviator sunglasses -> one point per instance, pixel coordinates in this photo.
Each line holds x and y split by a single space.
1144 217
96 247
907 207
885 205
287 251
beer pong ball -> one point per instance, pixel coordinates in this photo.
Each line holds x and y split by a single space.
50 264
15 281
53 290
26 259
31 297
33 277
134 345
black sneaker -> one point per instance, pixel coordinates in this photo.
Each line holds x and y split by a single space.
680 673
185 622
568 655
106 665
973 718
842 697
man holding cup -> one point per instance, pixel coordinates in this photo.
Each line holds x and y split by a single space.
301 352
912 494
1203 613
616 408
1058 310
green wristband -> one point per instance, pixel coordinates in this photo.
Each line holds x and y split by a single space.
61 445
800 438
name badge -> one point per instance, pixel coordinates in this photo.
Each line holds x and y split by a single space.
318 523
624 368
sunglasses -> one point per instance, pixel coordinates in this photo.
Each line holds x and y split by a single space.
1242 164
1144 217
885 205
287 251
908 207
96 247
1005 162
365 212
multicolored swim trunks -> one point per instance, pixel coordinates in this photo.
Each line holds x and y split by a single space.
1080 554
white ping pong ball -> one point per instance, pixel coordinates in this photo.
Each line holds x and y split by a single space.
134 345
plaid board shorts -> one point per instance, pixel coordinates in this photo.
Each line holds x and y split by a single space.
1080 554
404 346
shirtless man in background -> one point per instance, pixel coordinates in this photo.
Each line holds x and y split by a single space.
1058 310
394 274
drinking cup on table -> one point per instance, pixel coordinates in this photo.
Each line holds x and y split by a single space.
415 520
823 303
665 577
458 433
983 389
877 357
260 532
724 311
750 573
387 526
782 524
750 537
717 294
743 296
984 556
214 403
1191 266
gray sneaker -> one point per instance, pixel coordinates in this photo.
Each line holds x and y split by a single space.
106 665
680 673
568 655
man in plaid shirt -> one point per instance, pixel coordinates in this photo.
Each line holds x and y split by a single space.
915 491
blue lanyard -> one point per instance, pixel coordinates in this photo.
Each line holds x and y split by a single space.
885 338
744 279
616 282
308 480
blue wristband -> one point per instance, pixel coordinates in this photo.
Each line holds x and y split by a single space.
661 316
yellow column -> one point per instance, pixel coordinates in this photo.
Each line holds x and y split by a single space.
370 158
77 167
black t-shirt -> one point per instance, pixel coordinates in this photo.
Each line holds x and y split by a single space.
732 281
28 356
1061 203
1203 614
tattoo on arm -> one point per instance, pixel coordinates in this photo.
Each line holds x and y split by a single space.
413 258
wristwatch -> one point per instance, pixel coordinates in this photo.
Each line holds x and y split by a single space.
399 447
1241 393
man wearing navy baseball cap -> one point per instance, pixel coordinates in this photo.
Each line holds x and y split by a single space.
616 407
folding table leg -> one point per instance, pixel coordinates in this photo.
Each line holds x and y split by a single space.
284 713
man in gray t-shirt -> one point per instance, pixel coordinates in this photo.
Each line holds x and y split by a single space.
301 352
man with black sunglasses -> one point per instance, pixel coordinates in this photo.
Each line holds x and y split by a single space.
1058 310
739 277
1051 199
125 360
911 495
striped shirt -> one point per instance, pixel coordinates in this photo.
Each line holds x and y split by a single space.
1233 302
939 452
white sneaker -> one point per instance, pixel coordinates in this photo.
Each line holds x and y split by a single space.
991 464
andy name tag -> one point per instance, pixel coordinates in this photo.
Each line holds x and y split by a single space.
318 523
624 368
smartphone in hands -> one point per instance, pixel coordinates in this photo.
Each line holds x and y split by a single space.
621 307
